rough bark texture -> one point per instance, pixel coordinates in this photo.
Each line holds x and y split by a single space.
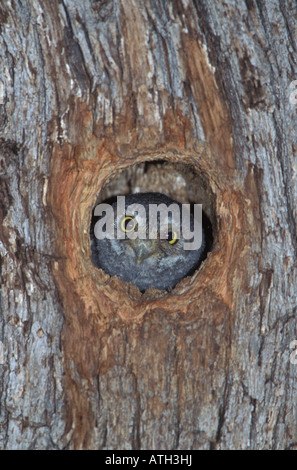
90 88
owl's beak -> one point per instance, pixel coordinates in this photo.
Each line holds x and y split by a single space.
142 249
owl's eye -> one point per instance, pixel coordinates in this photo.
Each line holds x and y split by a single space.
172 238
128 224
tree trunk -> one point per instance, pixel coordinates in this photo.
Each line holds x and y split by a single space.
89 89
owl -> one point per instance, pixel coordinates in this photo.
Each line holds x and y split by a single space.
145 253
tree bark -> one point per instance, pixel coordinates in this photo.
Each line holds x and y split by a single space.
89 89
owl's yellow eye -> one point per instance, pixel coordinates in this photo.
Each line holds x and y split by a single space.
172 238
128 224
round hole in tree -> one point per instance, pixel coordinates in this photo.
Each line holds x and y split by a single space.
148 259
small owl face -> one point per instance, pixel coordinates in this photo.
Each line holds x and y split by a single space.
148 252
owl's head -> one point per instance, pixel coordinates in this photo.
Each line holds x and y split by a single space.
148 246
145 230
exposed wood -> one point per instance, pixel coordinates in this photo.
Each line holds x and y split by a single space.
88 90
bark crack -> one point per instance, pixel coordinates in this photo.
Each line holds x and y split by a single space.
222 412
75 55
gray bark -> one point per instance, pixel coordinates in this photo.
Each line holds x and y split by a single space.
85 90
